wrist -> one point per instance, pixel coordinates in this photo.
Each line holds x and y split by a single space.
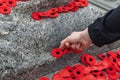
87 36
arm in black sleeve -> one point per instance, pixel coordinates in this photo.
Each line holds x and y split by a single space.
106 29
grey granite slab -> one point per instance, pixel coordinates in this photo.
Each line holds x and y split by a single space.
106 4
25 44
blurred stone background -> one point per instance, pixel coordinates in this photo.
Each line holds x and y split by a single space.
25 44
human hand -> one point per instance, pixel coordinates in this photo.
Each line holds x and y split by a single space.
77 40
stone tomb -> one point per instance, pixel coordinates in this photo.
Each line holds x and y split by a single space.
25 44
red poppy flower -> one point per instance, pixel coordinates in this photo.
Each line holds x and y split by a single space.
64 73
96 72
83 58
84 2
78 51
102 56
113 59
118 62
89 77
68 78
69 6
105 63
62 9
78 66
113 76
111 53
2 3
117 67
111 70
43 14
36 16
97 68
76 0
118 52
56 52
69 50
78 72
43 78
118 55
74 9
53 10
78 4
5 10
75 78
11 3
102 75
65 51
87 70
52 15
57 77
90 60
69 68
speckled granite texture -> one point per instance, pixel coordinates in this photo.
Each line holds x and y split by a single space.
25 44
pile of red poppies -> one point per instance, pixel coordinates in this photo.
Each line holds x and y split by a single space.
54 12
58 53
7 5
107 67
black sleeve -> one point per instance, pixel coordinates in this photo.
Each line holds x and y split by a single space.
106 29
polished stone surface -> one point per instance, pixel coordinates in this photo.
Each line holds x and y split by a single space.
106 4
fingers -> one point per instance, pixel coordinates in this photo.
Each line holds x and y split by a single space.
65 43
85 45
62 44
73 46
78 47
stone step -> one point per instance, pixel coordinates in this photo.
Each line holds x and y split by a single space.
106 4
25 44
